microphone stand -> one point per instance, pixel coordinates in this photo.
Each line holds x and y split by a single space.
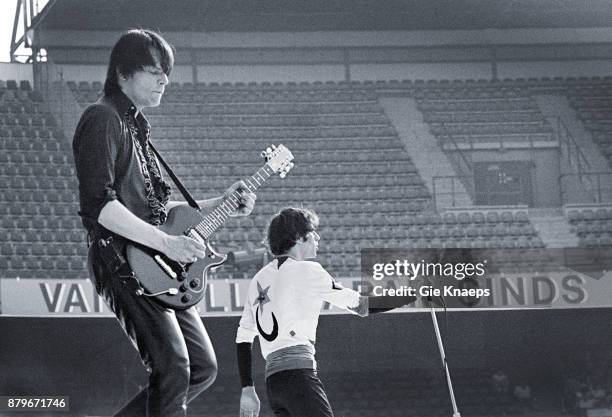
449 383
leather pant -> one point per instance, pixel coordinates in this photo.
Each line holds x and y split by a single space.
173 345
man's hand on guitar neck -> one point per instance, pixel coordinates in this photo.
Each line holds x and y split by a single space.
246 198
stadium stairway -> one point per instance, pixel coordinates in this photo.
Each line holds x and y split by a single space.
556 107
553 228
422 146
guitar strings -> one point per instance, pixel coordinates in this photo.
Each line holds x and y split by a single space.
220 214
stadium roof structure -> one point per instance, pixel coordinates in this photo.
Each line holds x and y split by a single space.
323 15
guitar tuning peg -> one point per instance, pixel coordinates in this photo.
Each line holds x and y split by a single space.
282 174
268 150
273 146
264 154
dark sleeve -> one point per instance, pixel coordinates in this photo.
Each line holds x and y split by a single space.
382 304
96 144
245 363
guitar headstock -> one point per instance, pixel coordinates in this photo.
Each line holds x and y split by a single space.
279 159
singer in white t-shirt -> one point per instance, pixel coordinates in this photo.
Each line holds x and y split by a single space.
282 308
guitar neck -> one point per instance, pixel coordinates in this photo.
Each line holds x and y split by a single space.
214 220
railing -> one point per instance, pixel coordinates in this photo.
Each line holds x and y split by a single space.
49 80
461 163
503 141
572 188
588 186
448 188
569 147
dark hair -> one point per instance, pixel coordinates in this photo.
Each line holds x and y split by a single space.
289 226
132 53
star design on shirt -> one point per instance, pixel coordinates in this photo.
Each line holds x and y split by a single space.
263 296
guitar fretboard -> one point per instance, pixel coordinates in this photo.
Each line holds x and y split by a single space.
217 217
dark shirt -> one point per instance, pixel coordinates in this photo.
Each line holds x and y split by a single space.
114 162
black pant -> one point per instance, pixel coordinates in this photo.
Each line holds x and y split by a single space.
297 393
173 345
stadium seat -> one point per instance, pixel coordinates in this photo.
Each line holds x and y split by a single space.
24 85
478 217
492 217
506 217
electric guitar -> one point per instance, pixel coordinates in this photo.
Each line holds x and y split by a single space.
181 286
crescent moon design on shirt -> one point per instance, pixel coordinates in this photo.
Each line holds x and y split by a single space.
261 300
268 336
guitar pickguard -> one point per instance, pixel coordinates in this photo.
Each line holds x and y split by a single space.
165 266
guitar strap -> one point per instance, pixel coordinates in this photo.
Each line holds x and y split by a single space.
190 200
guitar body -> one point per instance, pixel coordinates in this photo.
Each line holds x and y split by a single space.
173 284
181 286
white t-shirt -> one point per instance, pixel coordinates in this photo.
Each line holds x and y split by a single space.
283 304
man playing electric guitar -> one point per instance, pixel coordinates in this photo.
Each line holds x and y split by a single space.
123 197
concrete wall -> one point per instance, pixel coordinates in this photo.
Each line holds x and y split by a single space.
425 71
270 73
563 68
82 72
18 72
358 72
91 72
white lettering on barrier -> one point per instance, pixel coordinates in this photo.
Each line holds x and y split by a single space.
27 297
